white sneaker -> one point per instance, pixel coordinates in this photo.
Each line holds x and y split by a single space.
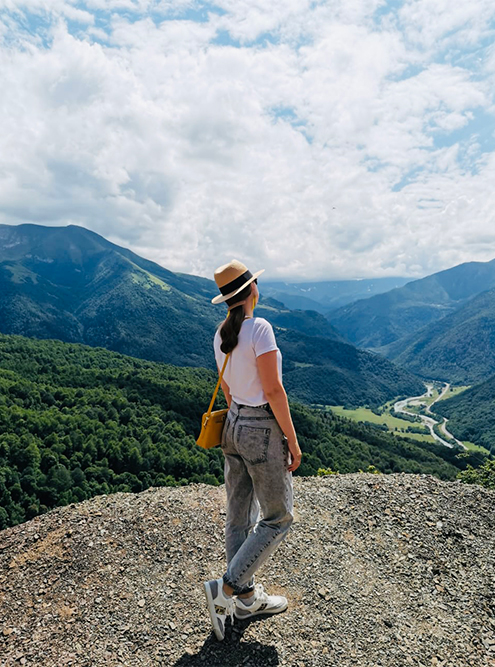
219 605
262 604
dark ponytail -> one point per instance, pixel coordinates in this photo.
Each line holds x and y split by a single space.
229 329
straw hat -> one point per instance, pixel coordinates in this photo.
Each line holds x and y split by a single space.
231 279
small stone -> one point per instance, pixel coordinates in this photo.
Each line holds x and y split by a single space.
141 603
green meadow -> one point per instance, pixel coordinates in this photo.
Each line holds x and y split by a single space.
396 426
399 426
454 391
476 448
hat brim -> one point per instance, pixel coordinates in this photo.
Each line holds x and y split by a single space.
221 298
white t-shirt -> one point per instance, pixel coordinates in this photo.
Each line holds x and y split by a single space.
256 337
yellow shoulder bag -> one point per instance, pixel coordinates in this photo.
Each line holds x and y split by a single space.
212 422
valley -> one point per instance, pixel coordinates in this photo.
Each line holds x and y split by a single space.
106 365
424 404
424 423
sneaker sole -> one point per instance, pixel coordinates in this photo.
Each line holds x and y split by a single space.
211 609
265 612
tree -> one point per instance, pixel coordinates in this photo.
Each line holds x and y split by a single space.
484 475
59 478
4 519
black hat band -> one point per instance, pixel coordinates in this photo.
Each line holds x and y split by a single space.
235 284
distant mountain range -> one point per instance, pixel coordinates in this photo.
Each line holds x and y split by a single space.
73 285
328 295
459 348
380 320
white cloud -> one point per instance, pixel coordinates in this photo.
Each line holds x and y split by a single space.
440 24
330 152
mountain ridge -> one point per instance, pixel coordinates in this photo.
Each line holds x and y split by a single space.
326 296
459 348
380 320
72 284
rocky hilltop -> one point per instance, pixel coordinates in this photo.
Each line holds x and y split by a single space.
380 571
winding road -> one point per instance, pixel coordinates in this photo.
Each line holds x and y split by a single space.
429 422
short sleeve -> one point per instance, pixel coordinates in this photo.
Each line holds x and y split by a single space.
219 355
263 337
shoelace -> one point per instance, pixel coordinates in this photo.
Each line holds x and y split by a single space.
230 610
260 593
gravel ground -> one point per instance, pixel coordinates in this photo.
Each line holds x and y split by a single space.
379 570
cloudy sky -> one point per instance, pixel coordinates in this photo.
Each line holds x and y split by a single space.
317 139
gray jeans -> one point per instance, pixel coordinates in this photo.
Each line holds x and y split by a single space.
256 477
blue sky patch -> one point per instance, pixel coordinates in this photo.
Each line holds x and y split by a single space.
31 24
289 115
224 38
200 13
374 164
480 129
407 179
408 72
386 8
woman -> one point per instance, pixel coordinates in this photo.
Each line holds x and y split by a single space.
257 439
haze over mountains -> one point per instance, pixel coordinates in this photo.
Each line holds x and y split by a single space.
72 284
328 295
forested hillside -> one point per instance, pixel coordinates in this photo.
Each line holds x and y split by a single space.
460 348
76 422
73 285
340 374
472 414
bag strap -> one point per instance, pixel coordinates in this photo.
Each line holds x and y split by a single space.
218 385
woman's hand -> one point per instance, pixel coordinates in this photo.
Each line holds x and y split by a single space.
295 454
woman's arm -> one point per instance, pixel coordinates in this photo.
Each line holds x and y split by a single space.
226 392
275 393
